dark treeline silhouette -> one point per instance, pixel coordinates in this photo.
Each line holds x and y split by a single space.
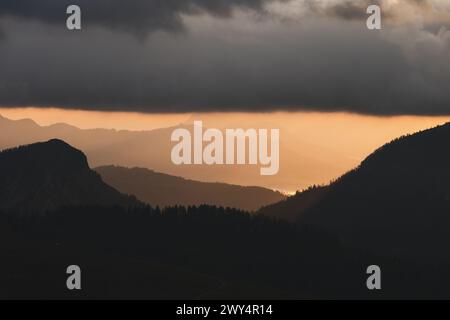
195 252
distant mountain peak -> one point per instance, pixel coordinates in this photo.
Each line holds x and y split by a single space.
48 175
55 154
63 126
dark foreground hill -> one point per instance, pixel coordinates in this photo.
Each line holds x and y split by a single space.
163 190
199 252
50 175
178 252
396 202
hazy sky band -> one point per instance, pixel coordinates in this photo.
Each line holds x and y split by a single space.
198 55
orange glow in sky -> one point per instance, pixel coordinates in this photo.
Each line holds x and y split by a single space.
315 147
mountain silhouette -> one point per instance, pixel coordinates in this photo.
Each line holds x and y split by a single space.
152 149
293 207
163 190
396 202
48 175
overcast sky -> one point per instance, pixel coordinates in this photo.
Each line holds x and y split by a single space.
227 55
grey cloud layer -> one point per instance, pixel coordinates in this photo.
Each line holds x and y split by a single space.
137 16
144 16
230 65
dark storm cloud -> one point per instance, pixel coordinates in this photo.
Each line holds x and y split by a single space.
356 9
349 10
231 64
137 16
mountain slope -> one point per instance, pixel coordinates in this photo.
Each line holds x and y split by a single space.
152 149
165 190
397 201
292 207
49 175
